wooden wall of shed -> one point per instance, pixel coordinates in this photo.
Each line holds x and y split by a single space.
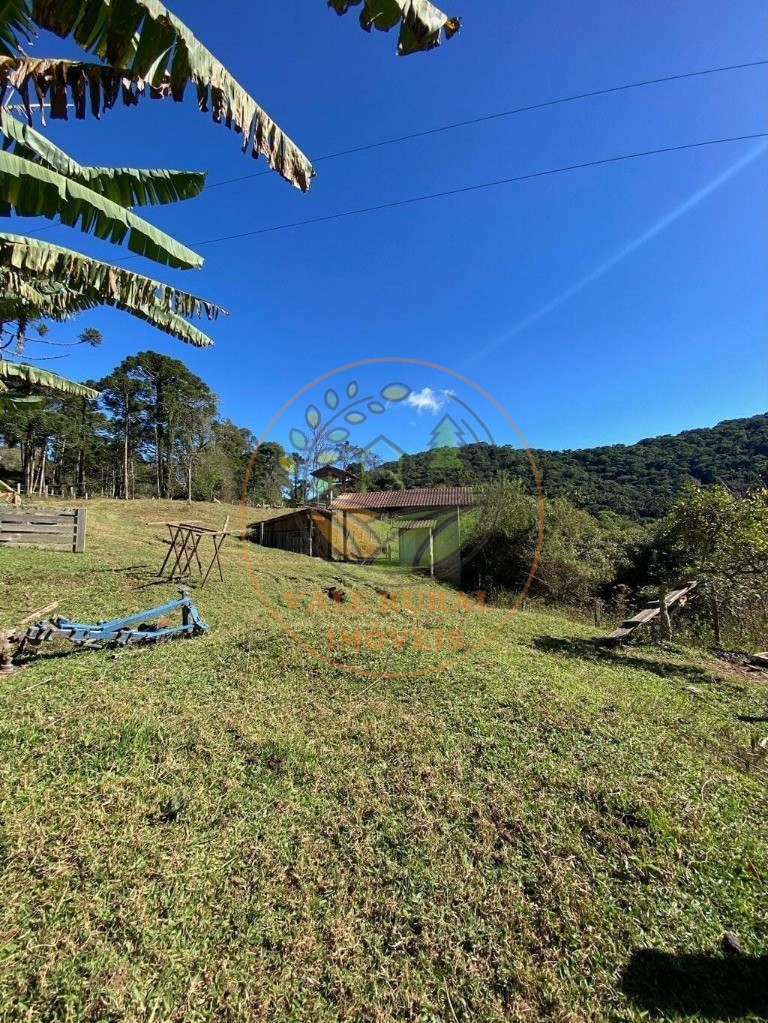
352 538
292 533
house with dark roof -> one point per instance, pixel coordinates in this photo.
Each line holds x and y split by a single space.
419 529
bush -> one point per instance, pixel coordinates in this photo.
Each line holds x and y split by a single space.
579 556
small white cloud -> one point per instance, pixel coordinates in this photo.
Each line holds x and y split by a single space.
426 400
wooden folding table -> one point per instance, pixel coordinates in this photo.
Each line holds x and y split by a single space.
185 541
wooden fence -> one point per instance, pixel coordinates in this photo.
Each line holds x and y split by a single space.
64 529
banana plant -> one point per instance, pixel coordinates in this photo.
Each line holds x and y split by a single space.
144 50
20 384
127 186
55 282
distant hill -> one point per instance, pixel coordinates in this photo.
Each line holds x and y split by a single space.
637 481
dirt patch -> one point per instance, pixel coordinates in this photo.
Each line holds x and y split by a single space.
737 662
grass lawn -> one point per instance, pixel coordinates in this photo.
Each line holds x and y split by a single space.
231 828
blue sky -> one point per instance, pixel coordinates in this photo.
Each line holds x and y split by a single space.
600 306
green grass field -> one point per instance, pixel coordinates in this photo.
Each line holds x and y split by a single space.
232 828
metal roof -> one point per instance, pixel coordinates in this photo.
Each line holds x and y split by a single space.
332 470
393 500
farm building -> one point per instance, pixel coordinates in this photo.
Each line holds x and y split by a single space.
417 529
319 533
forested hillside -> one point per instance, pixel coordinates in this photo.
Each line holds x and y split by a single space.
638 481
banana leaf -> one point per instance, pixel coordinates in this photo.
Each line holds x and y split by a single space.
19 381
15 25
31 190
32 298
149 47
82 273
421 23
126 186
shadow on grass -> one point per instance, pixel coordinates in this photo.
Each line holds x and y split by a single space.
594 650
40 655
709 987
175 581
128 568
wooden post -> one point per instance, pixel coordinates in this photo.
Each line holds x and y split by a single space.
431 553
79 539
344 527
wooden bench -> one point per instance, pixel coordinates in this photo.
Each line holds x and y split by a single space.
676 598
62 528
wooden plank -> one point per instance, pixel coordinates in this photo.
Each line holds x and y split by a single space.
36 616
677 597
620 633
44 530
641 618
62 529
45 513
39 535
26 538
69 521
54 530
13 523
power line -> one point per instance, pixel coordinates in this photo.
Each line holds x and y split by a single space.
478 120
470 188
474 188
506 113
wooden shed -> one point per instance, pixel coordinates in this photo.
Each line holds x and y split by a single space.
318 533
421 528
432 514
300 531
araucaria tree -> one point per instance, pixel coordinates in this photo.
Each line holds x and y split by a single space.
160 407
152 430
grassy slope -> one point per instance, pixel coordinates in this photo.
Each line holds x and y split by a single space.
229 828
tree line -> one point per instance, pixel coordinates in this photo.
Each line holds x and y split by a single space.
154 430
637 481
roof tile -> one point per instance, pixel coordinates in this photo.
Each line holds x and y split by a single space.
393 500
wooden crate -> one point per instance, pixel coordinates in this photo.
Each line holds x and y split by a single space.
63 529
